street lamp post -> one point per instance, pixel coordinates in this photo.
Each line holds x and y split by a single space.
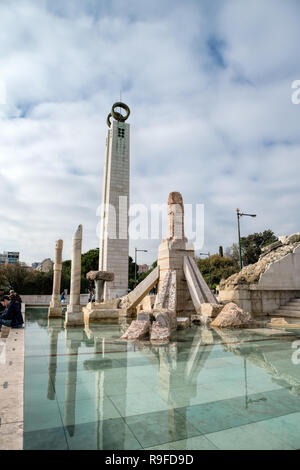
239 215
135 263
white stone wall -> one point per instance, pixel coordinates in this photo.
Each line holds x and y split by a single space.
46 299
283 274
114 242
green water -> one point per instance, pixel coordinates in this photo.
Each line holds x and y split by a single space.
87 389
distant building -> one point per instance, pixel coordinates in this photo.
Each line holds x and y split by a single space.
45 266
143 268
9 257
35 265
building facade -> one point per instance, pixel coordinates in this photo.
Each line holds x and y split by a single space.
9 257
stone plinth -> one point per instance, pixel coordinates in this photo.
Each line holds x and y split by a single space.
138 330
159 333
171 254
211 310
94 312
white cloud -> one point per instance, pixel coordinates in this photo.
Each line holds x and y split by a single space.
210 93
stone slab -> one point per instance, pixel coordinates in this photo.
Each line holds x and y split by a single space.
96 315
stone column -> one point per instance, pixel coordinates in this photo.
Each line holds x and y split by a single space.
74 315
99 287
55 309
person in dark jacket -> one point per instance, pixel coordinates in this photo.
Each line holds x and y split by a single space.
12 315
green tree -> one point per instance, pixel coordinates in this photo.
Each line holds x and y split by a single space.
215 268
251 246
90 261
14 276
131 273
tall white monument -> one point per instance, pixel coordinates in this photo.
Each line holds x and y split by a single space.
114 240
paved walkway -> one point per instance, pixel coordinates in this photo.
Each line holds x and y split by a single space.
11 390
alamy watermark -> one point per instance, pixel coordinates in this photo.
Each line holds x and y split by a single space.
296 354
153 222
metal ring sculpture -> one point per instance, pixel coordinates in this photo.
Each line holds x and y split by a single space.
116 115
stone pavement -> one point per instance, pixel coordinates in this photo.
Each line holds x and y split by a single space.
11 390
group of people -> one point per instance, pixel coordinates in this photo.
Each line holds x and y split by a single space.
10 310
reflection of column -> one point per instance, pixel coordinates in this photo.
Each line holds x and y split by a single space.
99 384
55 309
74 315
70 391
52 361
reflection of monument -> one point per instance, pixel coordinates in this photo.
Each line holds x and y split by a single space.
54 327
73 344
114 243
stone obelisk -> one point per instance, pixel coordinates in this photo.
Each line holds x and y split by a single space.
74 315
55 309
172 251
114 241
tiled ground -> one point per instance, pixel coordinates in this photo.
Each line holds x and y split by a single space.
240 390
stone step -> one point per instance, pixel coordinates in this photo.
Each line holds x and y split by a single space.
294 301
291 307
286 313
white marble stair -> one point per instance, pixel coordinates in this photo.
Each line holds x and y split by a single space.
290 310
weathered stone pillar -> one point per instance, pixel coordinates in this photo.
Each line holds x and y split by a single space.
55 309
74 315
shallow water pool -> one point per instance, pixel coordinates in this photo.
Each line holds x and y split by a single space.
87 389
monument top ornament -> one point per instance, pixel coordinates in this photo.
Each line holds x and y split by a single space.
117 115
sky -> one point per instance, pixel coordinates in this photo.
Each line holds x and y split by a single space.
209 88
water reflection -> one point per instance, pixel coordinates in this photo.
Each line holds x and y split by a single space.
172 372
54 330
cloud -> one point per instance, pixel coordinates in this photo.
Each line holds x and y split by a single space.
209 87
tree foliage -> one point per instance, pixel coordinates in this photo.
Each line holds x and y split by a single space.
251 247
215 268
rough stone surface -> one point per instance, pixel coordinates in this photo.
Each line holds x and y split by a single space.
211 310
146 316
138 330
167 319
232 316
159 332
100 276
251 274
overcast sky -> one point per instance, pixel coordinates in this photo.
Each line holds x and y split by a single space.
209 87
